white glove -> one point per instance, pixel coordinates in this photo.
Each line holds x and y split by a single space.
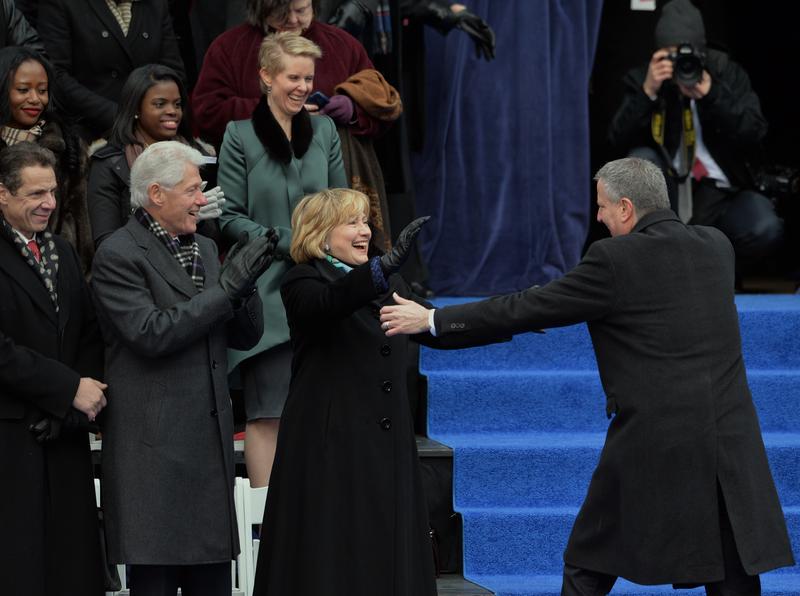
216 199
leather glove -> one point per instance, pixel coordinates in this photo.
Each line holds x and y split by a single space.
394 259
340 108
480 32
439 15
46 430
215 198
352 16
245 263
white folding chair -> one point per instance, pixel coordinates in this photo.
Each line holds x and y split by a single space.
250 504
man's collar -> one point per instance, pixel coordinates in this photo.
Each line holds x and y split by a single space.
653 217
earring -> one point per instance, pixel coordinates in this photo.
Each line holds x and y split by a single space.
327 248
269 89
136 116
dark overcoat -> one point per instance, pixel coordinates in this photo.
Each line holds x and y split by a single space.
345 510
93 57
168 430
50 542
659 304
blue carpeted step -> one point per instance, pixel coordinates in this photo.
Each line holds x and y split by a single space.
531 540
550 585
554 469
569 400
770 326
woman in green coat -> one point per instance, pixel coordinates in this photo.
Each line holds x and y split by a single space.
267 165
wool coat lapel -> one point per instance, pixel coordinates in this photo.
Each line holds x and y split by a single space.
271 135
112 26
164 263
26 277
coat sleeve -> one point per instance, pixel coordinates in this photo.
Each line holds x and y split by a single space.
128 311
232 177
337 178
312 301
732 109
20 32
46 383
106 192
630 125
216 100
586 293
56 32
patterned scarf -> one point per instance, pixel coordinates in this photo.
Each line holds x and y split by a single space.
121 9
338 264
47 266
12 136
184 248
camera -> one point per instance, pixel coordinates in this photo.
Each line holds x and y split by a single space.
778 181
688 63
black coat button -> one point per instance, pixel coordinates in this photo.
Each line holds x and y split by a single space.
214 364
214 413
146 35
386 386
114 74
104 34
386 349
386 423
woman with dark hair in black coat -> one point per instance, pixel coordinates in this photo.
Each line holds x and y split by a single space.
153 107
29 112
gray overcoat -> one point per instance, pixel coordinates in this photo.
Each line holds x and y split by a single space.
168 433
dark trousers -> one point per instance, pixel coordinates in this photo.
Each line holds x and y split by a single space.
213 579
582 582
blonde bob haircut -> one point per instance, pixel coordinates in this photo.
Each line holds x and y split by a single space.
278 45
316 215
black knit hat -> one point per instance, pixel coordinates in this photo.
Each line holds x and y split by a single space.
680 22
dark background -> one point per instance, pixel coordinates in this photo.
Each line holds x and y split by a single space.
760 36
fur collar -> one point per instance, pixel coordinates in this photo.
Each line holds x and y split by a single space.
271 135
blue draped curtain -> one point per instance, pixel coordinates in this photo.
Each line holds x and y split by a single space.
505 165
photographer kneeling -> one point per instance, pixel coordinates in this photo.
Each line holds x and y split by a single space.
693 112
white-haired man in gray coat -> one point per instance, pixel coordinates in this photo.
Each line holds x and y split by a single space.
168 313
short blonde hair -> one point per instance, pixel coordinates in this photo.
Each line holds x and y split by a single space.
316 215
278 45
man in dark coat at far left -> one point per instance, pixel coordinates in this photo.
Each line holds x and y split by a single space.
51 360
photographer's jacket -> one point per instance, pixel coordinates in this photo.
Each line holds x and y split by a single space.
730 116
659 305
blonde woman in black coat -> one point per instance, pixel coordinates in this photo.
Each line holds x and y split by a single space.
345 513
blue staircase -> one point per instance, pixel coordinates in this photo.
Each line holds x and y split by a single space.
526 420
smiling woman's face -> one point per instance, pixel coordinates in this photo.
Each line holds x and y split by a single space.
28 94
290 87
160 112
349 241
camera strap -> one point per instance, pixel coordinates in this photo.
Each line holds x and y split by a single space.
688 138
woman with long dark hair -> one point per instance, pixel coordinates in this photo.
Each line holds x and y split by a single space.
29 112
153 107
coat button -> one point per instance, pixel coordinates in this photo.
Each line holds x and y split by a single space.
386 349
104 34
214 413
386 386
146 35
386 423
114 74
214 364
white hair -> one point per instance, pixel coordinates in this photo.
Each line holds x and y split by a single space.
162 163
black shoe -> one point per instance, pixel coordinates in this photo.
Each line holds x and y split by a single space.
421 290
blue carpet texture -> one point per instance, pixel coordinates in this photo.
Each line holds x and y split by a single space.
526 420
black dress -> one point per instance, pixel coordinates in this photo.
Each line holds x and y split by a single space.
345 512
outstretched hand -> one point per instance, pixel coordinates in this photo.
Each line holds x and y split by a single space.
480 32
394 259
406 317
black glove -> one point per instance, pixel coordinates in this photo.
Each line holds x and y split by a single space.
47 429
394 259
439 15
480 32
245 263
352 16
